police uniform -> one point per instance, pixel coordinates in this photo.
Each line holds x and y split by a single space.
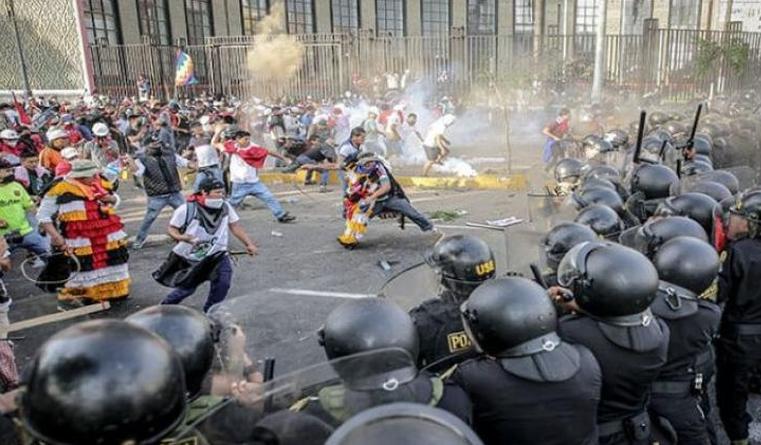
335 404
676 394
630 359
441 334
738 345
512 404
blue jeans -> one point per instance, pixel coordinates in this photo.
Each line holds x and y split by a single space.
259 190
207 172
155 205
33 242
220 285
404 207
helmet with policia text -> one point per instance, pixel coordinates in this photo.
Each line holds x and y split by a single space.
569 170
404 424
561 238
463 262
103 382
651 235
748 206
362 326
608 280
603 220
696 206
189 333
687 262
598 195
653 181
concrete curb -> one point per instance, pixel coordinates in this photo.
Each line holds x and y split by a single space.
514 182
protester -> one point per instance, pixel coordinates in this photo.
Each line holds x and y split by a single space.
555 131
50 156
29 174
207 158
15 209
435 144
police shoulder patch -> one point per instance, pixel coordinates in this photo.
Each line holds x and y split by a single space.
458 341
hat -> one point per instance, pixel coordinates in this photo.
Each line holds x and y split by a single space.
100 129
9 134
56 133
83 169
373 110
69 153
210 184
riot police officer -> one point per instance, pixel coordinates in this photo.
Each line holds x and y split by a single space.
696 206
687 268
649 237
568 174
558 241
462 262
613 287
649 185
530 387
105 381
374 345
737 347
602 220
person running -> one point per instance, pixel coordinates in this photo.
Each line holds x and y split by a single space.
437 146
555 131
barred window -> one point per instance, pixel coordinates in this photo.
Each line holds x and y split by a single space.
389 15
252 11
345 15
586 16
435 16
633 15
300 16
684 14
154 21
101 21
198 16
524 16
482 17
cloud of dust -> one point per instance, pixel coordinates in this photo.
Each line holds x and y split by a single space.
276 56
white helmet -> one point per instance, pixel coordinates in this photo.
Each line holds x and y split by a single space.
100 129
373 110
56 133
9 134
69 153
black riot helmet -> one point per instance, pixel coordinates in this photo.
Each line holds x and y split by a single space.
404 424
569 170
609 280
598 195
728 179
618 138
603 220
748 206
696 167
715 190
464 262
189 333
687 262
654 181
703 144
658 118
103 382
510 317
696 206
367 325
674 128
607 172
561 238
651 235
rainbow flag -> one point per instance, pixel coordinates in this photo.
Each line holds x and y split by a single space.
184 70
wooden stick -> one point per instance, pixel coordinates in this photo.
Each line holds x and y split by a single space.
60 316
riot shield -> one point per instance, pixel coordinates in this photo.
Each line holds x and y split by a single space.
249 404
544 210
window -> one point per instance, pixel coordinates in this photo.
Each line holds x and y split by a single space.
101 21
684 14
435 16
198 16
300 16
633 15
389 15
524 16
251 12
345 15
154 21
586 16
482 17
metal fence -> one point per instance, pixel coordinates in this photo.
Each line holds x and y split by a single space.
673 64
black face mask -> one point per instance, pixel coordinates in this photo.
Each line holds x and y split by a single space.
7 179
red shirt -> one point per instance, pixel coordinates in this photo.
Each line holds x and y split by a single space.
16 151
253 155
558 128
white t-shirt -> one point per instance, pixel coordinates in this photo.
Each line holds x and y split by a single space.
393 121
435 130
241 171
206 155
347 149
209 243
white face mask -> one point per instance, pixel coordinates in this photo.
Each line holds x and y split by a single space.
214 203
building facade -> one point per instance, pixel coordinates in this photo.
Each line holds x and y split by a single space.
55 46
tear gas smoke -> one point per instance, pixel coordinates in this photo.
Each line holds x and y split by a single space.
275 57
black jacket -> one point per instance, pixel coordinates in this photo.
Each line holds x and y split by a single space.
740 282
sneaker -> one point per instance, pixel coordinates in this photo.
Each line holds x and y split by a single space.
137 245
324 189
286 218
38 263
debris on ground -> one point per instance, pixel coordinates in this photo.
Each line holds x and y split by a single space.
277 234
447 215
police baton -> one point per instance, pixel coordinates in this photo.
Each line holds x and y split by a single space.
640 135
267 376
538 276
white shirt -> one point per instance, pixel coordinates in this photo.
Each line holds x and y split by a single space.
208 243
206 155
241 171
435 130
347 149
